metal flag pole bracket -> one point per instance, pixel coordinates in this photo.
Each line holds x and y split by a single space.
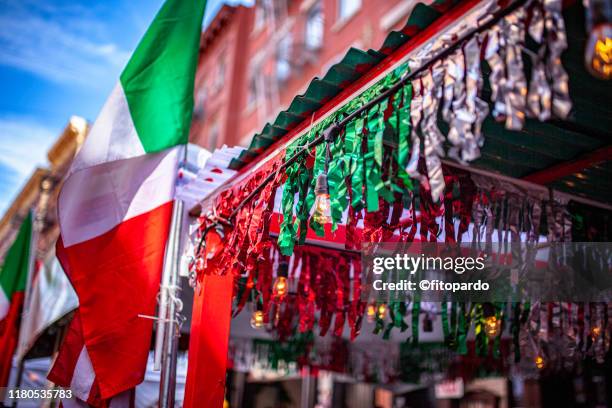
170 319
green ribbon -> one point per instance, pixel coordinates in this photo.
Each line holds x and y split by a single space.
286 236
338 168
301 209
319 167
353 141
404 128
397 311
416 312
373 159
481 337
499 315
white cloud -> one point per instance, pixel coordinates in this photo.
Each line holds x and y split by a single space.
61 43
23 146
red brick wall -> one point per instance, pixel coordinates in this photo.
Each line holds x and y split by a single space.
234 40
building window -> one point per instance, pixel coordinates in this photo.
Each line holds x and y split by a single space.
199 109
255 93
219 78
347 8
314 27
213 137
283 58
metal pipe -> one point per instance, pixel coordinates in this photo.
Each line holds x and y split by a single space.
167 333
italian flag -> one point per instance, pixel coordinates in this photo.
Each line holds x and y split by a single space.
13 276
115 208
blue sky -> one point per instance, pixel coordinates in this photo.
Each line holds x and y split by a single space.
59 58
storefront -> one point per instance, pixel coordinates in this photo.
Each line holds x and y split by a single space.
477 128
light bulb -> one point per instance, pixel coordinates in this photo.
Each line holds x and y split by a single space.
492 326
281 287
257 319
539 362
322 213
322 204
598 51
371 312
382 311
595 332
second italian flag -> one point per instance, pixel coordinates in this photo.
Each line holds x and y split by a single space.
116 204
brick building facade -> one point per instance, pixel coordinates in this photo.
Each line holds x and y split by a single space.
254 60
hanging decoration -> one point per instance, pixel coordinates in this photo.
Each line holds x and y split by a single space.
381 176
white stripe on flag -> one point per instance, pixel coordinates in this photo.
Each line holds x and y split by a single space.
97 199
4 304
83 376
113 135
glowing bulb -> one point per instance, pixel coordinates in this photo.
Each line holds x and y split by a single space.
598 52
322 212
492 326
539 362
322 204
257 319
382 311
595 332
371 312
281 287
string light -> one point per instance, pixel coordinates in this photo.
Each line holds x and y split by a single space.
281 284
539 362
371 312
322 204
281 287
382 311
492 326
598 50
322 212
257 319
492 323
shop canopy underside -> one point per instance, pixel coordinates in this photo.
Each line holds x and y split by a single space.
570 155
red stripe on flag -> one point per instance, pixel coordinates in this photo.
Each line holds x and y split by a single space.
9 332
116 277
63 367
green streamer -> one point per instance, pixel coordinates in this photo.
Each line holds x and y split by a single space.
338 168
482 340
319 167
445 327
416 312
301 209
286 236
375 187
354 140
404 128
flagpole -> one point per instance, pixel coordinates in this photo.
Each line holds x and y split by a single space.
38 221
167 332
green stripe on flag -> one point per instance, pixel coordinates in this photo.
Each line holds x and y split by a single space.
159 78
14 271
